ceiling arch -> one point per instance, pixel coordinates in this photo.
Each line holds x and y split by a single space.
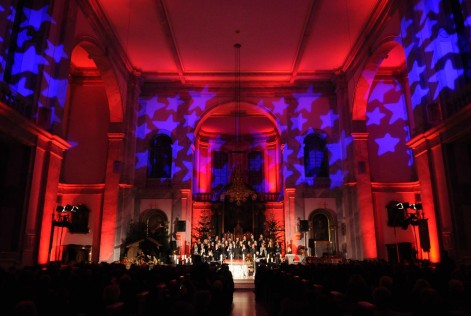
221 122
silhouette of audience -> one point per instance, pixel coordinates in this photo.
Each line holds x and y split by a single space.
113 290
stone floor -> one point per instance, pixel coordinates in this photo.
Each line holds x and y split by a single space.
244 304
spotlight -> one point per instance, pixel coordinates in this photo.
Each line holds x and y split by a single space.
417 206
402 206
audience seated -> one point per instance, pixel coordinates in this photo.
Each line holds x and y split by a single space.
363 288
112 289
206 288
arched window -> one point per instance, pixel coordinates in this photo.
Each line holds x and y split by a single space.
160 157
315 156
220 169
255 164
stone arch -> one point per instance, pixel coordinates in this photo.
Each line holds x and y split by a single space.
206 114
365 81
153 218
105 67
210 135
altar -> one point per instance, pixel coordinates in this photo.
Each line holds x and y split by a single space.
240 269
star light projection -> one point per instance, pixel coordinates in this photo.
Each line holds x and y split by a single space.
30 62
305 100
429 40
36 18
280 106
161 114
56 52
440 45
386 144
388 130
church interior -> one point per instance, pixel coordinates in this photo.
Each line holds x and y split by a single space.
342 128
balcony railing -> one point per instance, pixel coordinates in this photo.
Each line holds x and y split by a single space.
261 196
13 99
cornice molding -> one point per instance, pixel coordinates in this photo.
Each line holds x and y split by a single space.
370 33
27 132
455 127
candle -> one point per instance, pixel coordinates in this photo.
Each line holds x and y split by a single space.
243 257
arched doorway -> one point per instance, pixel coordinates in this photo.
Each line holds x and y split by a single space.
323 233
153 219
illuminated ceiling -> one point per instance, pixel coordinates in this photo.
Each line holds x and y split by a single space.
193 40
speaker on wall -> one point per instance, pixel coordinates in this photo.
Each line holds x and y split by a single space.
396 215
181 226
311 243
424 235
304 225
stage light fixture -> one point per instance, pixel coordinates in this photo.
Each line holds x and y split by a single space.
402 206
417 206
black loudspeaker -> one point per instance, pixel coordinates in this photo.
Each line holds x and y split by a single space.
424 235
311 243
396 216
181 226
304 225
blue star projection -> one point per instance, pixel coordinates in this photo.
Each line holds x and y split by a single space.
56 52
386 144
329 119
178 113
200 99
429 40
35 18
32 62
433 50
387 126
374 117
305 100
28 61
280 106
22 38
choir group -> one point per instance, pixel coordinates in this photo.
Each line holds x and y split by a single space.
215 248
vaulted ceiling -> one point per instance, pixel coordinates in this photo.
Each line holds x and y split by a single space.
281 40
